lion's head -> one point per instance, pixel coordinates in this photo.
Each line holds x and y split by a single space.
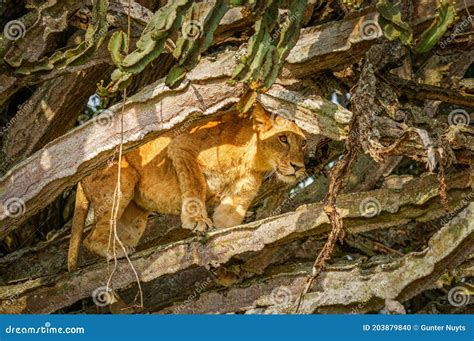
281 144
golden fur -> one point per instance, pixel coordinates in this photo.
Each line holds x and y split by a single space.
220 162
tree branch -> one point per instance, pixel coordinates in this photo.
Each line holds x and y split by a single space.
357 287
409 204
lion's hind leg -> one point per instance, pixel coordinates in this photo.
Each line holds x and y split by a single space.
102 238
132 225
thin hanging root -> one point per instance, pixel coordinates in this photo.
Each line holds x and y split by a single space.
443 192
337 178
117 197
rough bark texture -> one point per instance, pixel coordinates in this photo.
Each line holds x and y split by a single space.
220 246
407 229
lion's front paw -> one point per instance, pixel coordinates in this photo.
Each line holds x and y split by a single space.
197 224
227 216
194 216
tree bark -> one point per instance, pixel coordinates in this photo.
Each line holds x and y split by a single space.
220 246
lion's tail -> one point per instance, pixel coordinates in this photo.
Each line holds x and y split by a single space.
78 222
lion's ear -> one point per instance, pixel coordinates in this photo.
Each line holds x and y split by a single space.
261 119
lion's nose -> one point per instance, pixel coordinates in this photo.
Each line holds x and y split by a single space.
296 167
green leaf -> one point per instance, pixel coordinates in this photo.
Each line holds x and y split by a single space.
392 24
430 37
189 49
288 39
258 43
117 47
94 37
151 43
175 76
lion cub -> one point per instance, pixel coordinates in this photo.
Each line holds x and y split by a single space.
220 162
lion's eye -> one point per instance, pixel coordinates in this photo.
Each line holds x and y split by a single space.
303 143
283 139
